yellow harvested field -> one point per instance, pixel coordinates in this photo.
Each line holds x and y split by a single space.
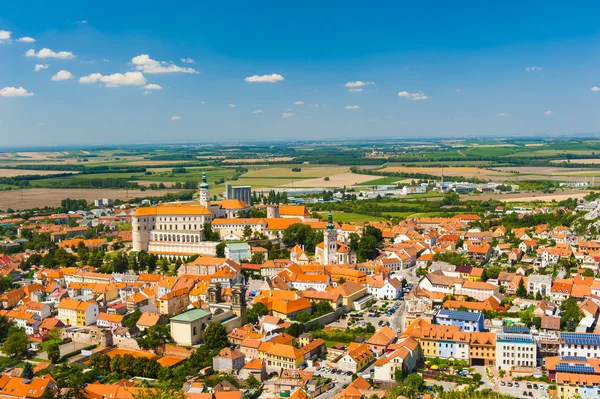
20 172
340 180
40 197
529 197
40 155
592 161
286 171
257 160
449 171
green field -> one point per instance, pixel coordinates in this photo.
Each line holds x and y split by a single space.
343 217
382 181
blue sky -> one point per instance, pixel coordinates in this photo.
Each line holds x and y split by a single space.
437 68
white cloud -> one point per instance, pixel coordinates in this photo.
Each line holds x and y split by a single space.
299 103
352 107
14 92
287 115
176 118
459 118
258 111
419 96
358 83
548 112
355 90
533 68
5 36
273 78
595 88
504 115
26 39
62 75
116 79
39 67
144 63
89 62
202 102
153 86
231 105
47 53
105 59
188 61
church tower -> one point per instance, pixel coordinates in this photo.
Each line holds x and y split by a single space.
330 241
238 301
204 194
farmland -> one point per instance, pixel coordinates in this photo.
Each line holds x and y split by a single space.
532 164
41 197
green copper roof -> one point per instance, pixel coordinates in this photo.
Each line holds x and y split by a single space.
191 315
204 184
330 221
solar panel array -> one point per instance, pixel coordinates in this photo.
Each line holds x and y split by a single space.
459 315
581 339
515 338
575 368
516 329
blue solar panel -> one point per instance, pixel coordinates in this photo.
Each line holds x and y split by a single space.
459 315
580 339
517 338
516 329
575 368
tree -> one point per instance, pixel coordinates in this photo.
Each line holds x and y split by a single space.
257 310
538 296
412 385
252 382
160 391
53 352
367 248
257 258
302 317
341 281
571 314
247 231
5 326
16 343
295 329
27 372
220 250
54 334
521 291
588 273
155 336
215 336
493 272
132 319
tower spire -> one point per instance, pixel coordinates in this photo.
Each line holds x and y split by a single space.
330 225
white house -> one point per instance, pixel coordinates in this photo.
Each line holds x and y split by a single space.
385 289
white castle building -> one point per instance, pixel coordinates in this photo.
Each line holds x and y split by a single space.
176 229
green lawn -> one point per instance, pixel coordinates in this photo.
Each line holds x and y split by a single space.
343 217
381 181
44 345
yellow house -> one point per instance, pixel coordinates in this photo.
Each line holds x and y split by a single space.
77 313
280 355
571 385
476 274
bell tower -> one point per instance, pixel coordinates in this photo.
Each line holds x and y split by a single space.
238 301
330 241
204 193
